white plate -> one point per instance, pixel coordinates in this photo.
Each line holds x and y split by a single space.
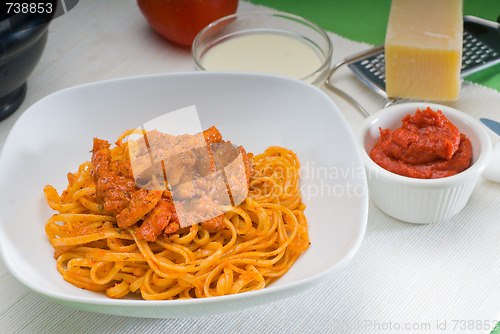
254 110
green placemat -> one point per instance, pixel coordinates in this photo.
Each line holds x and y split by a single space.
366 21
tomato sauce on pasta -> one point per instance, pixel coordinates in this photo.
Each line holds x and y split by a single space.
112 235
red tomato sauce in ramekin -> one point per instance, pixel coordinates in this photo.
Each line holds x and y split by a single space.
426 146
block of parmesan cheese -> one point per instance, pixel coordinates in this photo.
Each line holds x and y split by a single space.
423 49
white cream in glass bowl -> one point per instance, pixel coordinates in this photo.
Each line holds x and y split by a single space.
268 42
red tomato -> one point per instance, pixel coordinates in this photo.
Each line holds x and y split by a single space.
180 21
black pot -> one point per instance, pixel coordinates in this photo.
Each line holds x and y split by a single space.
22 41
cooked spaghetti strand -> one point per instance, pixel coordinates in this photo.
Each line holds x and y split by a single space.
100 248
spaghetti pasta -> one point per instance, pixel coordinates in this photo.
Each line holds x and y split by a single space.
257 241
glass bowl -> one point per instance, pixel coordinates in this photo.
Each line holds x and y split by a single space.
269 42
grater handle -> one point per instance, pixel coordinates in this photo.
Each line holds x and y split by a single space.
349 60
342 93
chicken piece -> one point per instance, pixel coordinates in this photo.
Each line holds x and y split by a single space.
114 191
161 219
215 224
212 135
140 204
113 188
122 168
101 157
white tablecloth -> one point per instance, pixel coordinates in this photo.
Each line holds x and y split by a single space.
442 278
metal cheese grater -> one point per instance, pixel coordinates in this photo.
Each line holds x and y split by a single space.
481 49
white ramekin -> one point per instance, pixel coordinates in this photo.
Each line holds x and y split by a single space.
422 200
